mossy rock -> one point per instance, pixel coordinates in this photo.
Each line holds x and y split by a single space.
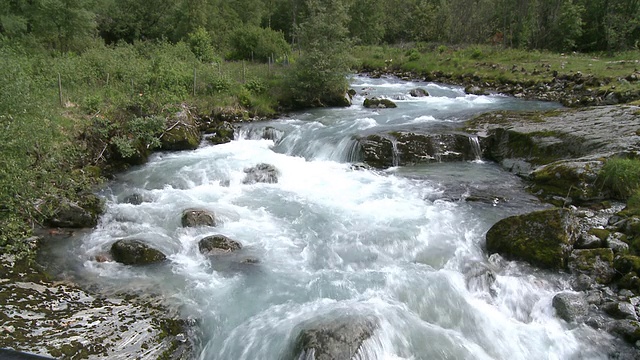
572 180
379 103
182 132
627 263
542 238
630 281
602 234
597 263
135 252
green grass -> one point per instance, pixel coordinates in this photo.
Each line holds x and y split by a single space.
621 177
498 64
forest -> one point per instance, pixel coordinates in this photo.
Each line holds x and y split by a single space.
81 76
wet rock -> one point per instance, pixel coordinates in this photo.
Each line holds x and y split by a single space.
419 92
596 263
377 103
135 252
627 263
573 181
220 132
582 282
133 199
181 133
480 277
194 218
542 238
261 173
81 214
627 329
621 310
360 167
334 339
475 90
409 148
569 306
615 243
218 244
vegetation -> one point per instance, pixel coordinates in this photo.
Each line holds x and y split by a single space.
86 83
621 177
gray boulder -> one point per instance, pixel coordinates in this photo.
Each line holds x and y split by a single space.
334 339
621 310
218 244
570 306
135 252
628 329
81 214
194 218
261 173
133 199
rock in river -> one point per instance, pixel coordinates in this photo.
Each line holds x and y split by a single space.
194 218
543 238
218 244
261 173
135 252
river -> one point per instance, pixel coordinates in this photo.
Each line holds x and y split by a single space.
400 245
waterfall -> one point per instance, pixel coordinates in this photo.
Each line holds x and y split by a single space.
475 147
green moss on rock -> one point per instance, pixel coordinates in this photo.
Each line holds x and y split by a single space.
602 234
542 238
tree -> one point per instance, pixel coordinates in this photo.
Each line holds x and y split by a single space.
366 25
319 75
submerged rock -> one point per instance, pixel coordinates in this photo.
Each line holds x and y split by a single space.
334 339
379 103
543 238
261 173
194 218
133 199
218 244
135 252
569 306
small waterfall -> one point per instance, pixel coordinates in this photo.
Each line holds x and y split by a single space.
258 133
395 152
475 147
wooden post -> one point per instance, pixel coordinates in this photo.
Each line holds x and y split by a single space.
269 68
244 73
107 79
132 90
219 69
194 81
60 90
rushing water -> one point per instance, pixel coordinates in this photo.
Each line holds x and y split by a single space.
401 245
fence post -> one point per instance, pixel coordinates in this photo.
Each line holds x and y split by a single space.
194 81
107 79
60 90
244 73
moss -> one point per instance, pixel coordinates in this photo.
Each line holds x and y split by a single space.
627 263
542 238
602 234
587 257
181 138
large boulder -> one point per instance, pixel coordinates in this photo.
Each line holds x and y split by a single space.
334 339
409 148
135 252
378 103
542 238
81 214
567 181
195 217
261 173
419 92
595 263
181 132
218 244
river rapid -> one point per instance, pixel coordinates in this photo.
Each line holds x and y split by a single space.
403 245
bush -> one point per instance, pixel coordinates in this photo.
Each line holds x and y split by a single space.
255 43
621 177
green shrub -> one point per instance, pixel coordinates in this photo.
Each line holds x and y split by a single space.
621 177
256 43
200 43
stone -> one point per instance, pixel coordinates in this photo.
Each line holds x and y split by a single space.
582 282
627 329
261 173
135 252
379 103
542 238
220 132
588 241
475 90
621 310
81 214
570 306
194 218
218 244
181 131
418 92
133 199
596 263
331 339
615 243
